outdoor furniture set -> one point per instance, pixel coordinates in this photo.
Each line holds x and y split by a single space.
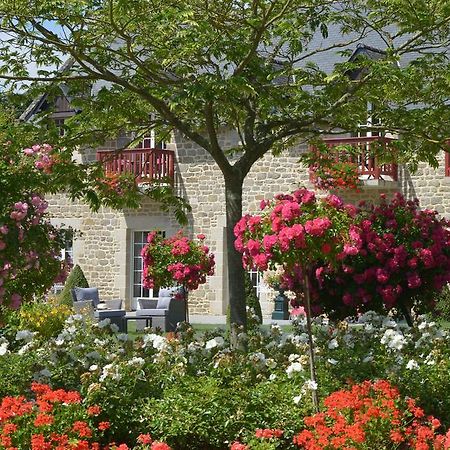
163 312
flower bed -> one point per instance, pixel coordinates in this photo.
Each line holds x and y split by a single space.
192 391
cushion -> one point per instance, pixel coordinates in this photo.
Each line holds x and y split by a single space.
163 302
165 292
151 312
87 294
113 304
146 303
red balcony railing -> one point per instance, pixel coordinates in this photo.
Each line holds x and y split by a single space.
146 164
364 155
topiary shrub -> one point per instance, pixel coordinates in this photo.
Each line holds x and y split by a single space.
76 278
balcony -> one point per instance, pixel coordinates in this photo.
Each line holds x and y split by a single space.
146 164
363 152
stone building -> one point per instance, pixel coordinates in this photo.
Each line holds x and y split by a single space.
109 247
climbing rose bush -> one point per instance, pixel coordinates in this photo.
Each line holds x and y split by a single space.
30 245
176 260
371 415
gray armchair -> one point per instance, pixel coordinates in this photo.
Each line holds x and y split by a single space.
165 311
87 300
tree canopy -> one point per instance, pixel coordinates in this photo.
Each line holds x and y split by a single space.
275 71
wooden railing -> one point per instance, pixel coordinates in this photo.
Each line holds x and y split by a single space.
146 164
364 155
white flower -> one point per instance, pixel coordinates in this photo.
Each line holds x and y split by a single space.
311 385
272 377
136 361
297 399
25 348
332 361
333 344
59 341
412 365
271 363
294 367
4 348
122 337
24 335
158 342
93 368
114 327
258 358
293 357
393 339
367 359
218 341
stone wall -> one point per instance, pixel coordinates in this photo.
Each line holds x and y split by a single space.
429 185
104 248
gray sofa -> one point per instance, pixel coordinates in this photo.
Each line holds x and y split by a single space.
86 301
165 311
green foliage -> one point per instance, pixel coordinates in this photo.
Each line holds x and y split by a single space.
76 278
201 413
16 373
442 310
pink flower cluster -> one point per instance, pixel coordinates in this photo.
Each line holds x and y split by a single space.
293 230
44 158
26 240
397 255
178 260
376 257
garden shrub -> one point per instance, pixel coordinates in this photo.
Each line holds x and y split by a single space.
47 319
16 372
76 278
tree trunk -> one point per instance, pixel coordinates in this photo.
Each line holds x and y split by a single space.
236 288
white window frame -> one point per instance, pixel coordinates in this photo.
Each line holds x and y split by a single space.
145 293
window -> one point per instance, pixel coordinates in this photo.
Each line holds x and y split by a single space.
60 126
257 281
138 290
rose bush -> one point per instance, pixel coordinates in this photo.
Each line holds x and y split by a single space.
398 257
30 245
294 232
378 257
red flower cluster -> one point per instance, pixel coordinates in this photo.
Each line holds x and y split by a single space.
368 416
397 254
56 419
267 433
176 260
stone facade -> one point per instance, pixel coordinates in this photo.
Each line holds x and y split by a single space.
104 251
